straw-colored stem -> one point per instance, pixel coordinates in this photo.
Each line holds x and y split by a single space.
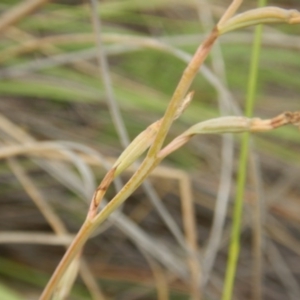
260 16
181 90
18 11
72 251
231 10
151 159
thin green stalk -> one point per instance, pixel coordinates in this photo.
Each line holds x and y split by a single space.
234 248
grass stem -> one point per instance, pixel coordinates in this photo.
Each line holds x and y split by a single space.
234 247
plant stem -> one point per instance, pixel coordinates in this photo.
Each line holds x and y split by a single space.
72 251
235 4
234 248
181 90
145 168
152 159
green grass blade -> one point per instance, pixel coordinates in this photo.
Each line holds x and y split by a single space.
8 294
234 247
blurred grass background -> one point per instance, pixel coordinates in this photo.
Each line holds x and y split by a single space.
51 89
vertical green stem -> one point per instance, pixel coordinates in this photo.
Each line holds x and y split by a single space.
234 247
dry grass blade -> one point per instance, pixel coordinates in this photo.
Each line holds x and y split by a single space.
153 247
65 285
18 12
104 70
42 204
231 125
259 16
281 234
231 10
189 222
142 142
218 64
259 217
159 275
283 271
37 197
9 237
